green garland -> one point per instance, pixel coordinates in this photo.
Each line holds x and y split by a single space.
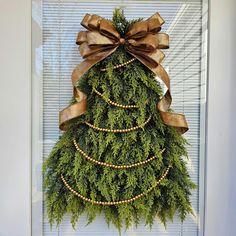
132 84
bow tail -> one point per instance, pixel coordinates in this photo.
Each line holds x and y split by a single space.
79 108
178 121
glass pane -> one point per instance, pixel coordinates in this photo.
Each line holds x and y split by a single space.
55 24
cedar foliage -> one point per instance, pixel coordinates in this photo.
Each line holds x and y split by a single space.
132 84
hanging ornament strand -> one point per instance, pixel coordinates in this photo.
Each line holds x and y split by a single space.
120 65
114 103
118 130
112 165
116 202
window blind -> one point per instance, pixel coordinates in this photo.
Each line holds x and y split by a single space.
184 63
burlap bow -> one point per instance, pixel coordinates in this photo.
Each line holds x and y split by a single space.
143 41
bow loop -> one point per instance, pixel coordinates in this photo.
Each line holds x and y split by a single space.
146 44
138 30
107 29
163 40
91 22
81 37
86 51
94 38
155 22
142 28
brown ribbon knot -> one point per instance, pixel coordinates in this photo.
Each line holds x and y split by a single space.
143 41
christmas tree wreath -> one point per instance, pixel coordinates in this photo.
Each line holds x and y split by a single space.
122 151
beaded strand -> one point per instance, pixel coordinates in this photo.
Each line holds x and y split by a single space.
120 65
115 103
118 130
108 203
112 165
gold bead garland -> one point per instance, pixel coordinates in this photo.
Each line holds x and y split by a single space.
108 203
118 130
112 165
115 103
120 65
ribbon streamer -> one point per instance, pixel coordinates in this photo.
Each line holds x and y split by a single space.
143 41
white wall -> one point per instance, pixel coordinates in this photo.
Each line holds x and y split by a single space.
15 63
221 153
15 75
